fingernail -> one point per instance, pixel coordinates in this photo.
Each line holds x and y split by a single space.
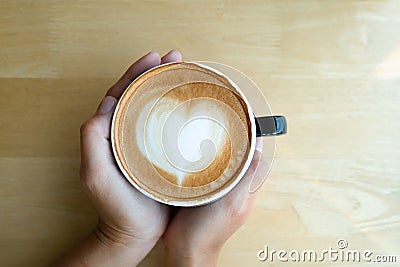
259 144
177 55
106 105
259 176
152 53
256 183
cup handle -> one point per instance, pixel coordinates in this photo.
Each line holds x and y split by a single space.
270 125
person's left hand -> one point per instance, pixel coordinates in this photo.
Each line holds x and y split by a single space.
130 223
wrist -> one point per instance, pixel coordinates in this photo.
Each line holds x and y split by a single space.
98 250
107 246
110 236
123 242
191 258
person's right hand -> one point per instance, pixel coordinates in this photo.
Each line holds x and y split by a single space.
195 236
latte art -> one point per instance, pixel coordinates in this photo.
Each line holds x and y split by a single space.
183 139
190 137
185 133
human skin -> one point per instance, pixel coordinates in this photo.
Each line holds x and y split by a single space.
130 224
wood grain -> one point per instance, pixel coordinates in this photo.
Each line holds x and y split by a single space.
331 67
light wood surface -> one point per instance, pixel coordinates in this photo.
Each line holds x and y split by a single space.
332 67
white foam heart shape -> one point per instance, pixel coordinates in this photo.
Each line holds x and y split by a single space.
182 138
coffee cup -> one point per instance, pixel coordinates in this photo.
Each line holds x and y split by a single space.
184 133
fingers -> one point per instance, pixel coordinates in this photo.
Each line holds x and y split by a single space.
255 174
259 176
106 105
260 173
255 161
146 62
171 56
95 135
259 144
97 130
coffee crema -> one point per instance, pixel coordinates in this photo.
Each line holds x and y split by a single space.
182 133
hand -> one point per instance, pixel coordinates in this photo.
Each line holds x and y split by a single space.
195 236
130 223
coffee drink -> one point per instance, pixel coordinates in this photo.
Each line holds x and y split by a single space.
183 134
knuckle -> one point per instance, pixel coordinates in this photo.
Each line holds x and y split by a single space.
94 182
237 208
88 181
88 127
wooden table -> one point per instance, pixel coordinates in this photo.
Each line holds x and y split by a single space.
332 67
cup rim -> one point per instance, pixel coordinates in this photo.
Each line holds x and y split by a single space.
195 202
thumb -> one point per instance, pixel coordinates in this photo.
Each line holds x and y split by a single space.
107 105
256 173
95 135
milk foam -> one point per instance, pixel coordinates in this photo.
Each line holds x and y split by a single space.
182 138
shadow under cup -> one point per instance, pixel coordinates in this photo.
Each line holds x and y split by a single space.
184 134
